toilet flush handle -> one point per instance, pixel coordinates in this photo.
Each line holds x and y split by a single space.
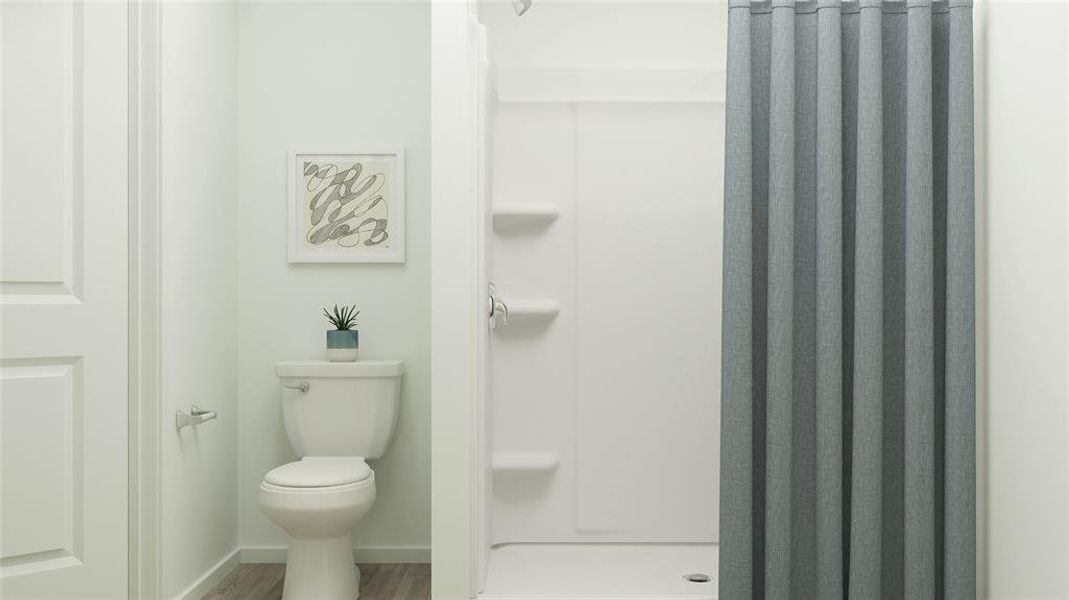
302 386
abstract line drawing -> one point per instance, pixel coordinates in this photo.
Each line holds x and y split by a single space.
347 207
344 205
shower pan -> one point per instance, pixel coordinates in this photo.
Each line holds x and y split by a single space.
601 160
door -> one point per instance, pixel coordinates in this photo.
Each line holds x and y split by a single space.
63 299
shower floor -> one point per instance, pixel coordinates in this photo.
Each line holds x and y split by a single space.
606 571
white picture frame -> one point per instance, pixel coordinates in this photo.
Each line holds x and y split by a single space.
346 206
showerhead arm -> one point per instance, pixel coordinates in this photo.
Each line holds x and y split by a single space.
522 6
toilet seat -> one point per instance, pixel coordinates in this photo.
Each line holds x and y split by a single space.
319 472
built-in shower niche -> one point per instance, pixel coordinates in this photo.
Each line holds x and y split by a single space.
527 317
524 463
532 309
523 219
522 476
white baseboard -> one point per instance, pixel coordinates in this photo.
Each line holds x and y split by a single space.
212 578
375 554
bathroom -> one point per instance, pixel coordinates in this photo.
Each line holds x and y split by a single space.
540 401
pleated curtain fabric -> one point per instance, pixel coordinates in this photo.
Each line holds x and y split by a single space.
848 424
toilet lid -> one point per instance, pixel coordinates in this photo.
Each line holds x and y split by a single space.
319 471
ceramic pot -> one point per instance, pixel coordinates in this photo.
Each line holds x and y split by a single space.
342 345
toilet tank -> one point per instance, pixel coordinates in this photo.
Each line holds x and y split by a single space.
340 408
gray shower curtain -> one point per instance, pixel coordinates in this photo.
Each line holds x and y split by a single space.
847 462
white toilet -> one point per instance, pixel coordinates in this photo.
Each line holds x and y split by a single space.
337 415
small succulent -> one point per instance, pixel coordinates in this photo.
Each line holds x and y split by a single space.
343 319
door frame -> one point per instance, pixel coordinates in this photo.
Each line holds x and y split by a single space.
457 302
144 437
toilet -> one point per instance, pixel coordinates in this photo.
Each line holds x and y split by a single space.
337 416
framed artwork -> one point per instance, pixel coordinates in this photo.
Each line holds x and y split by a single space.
347 207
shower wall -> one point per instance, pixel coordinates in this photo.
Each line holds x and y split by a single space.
606 194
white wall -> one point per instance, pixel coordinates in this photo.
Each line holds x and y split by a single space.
199 288
1028 299
337 75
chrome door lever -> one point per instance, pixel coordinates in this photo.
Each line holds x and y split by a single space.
195 416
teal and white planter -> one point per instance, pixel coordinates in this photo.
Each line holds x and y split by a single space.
342 345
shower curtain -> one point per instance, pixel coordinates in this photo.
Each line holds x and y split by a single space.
848 340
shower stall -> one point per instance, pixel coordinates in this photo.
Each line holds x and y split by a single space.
596 164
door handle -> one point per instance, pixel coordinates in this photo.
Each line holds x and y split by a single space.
195 416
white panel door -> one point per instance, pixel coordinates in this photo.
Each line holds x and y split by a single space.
63 299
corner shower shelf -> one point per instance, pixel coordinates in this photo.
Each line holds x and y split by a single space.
515 214
525 462
532 309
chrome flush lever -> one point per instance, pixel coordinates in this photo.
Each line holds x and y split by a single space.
302 386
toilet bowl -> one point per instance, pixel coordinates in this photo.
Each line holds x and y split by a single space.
336 415
318 501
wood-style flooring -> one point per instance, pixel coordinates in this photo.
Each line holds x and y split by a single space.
377 582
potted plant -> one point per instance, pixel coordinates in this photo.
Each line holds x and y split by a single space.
343 341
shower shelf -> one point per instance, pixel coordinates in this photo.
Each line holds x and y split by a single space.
524 214
525 462
532 309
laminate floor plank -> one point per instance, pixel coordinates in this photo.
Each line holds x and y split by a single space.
377 582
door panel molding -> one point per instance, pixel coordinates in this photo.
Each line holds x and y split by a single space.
42 416
44 105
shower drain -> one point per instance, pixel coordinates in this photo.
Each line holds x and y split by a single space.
698 578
